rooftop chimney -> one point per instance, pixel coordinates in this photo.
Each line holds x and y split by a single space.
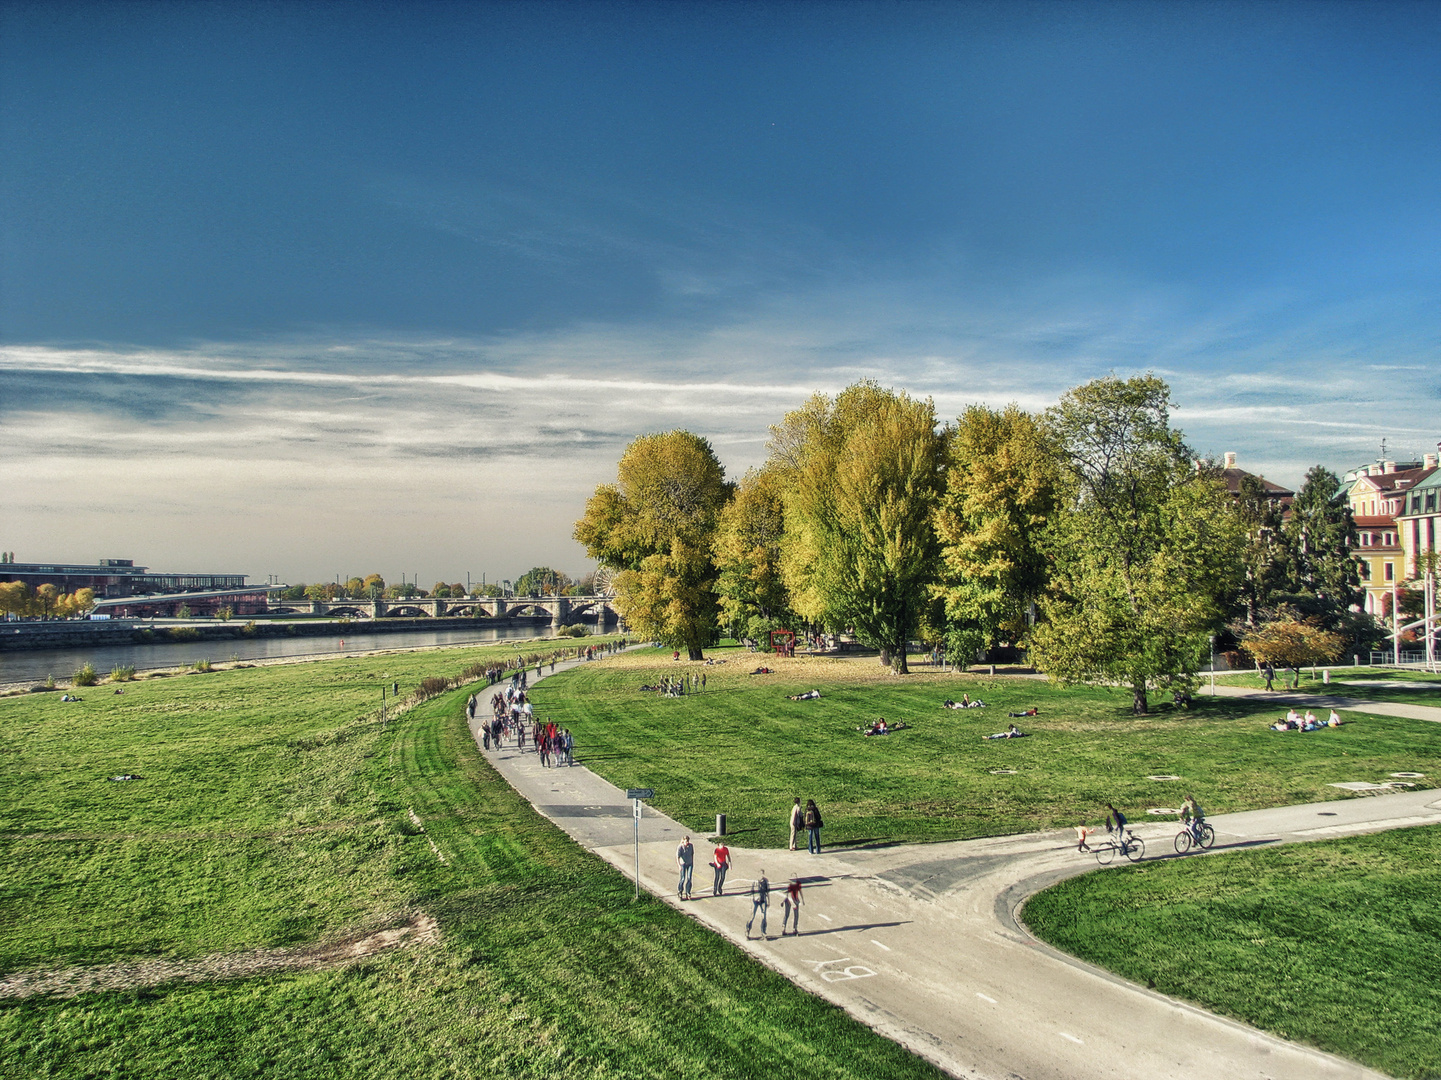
1390 466
1230 459
1430 461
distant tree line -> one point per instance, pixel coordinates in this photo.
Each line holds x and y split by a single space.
538 581
1088 533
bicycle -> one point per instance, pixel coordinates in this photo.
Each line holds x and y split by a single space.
1190 837
1134 848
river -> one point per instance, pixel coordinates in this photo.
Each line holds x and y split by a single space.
20 667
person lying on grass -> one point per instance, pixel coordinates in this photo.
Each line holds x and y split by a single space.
762 671
880 727
964 703
809 695
1032 711
1012 732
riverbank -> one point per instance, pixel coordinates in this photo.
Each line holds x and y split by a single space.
28 685
80 633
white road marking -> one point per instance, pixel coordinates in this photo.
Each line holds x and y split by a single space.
1075 1040
878 945
826 917
983 997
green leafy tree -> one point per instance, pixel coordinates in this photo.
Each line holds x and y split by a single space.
1145 551
542 581
1321 536
373 586
750 536
862 476
656 525
1264 551
1001 489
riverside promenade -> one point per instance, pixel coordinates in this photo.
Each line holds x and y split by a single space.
922 941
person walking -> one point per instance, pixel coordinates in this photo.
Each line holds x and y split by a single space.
760 903
814 824
798 818
720 863
791 912
1268 673
685 861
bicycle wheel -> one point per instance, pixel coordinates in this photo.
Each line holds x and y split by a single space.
1105 852
1135 849
1208 836
1183 841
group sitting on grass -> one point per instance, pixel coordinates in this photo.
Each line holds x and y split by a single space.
880 727
1294 721
964 703
1012 732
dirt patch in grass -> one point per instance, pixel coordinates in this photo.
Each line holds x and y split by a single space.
420 929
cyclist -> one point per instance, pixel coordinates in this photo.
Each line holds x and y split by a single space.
1117 820
1193 817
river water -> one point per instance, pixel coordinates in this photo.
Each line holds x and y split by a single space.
18 667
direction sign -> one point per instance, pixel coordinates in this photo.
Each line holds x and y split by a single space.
640 793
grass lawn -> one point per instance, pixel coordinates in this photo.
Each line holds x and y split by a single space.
272 811
1335 943
742 749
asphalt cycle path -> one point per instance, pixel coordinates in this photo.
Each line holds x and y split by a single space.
1285 700
922 942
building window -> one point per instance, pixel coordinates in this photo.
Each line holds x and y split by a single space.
1390 572
1365 568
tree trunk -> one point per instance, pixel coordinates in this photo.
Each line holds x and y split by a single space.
1138 699
885 657
695 652
900 665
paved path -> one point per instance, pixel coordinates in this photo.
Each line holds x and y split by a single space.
1283 700
921 941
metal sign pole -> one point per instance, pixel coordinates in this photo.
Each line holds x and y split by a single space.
635 795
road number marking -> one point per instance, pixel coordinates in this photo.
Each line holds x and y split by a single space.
828 974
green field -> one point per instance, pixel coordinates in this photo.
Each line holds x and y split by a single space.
1335 943
742 749
272 810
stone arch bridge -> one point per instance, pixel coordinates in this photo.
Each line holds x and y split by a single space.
562 610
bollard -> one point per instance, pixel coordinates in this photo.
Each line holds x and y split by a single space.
720 824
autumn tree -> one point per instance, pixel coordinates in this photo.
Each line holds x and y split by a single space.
656 525
747 551
1001 489
861 476
1144 550
1293 644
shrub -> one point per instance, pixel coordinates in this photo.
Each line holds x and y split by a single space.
184 633
249 628
122 673
430 686
49 682
86 676
201 665
225 614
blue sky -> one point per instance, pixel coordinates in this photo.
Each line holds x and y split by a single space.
307 289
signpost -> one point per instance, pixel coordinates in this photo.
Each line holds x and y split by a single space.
635 795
